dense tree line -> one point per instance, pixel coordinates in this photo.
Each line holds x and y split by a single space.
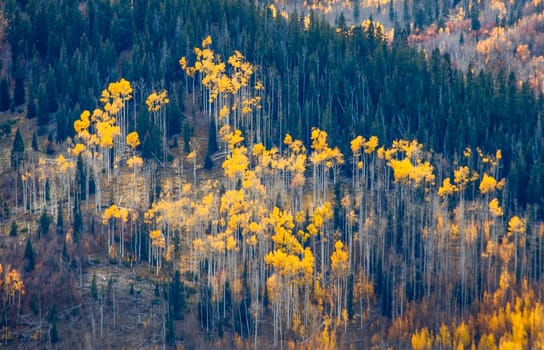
347 81
314 224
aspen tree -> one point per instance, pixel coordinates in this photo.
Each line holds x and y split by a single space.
340 270
99 132
155 103
11 285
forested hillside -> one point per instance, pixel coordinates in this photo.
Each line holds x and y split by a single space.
217 173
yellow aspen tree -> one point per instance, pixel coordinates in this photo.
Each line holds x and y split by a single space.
158 244
516 232
461 336
13 285
108 218
340 270
155 103
99 132
229 94
422 340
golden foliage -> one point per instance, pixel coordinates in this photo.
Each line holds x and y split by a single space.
135 162
494 208
488 184
447 188
339 260
422 340
157 239
113 212
156 100
516 225
133 140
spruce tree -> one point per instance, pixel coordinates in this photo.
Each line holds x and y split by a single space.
60 220
212 138
29 256
77 225
5 99
19 97
208 162
18 149
187 134
42 109
53 331
177 297
13 230
475 16
94 288
31 110
43 225
170 331
34 142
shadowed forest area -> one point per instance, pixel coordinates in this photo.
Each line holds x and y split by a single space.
206 174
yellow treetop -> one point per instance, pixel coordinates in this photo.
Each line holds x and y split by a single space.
114 212
156 100
13 283
494 207
447 188
292 265
356 145
236 163
516 225
339 260
106 132
157 239
78 149
401 169
207 41
64 165
488 184
115 95
135 162
371 145
422 340
133 140
83 122
319 140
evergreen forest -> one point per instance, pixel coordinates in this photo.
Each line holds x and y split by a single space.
233 174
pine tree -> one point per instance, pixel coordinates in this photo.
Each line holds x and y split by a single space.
31 109
81 178
170 331
187 135
94 288
212 138
34 142
43 225
350 297
13 230
392 14
42 109
177 297
53 331
51 91
212 145
5 99
60 220
475 16
77 225
29 256
19 96
18 150
208 162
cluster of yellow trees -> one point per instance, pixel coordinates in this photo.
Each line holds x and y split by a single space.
229 93
11 289
436 231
